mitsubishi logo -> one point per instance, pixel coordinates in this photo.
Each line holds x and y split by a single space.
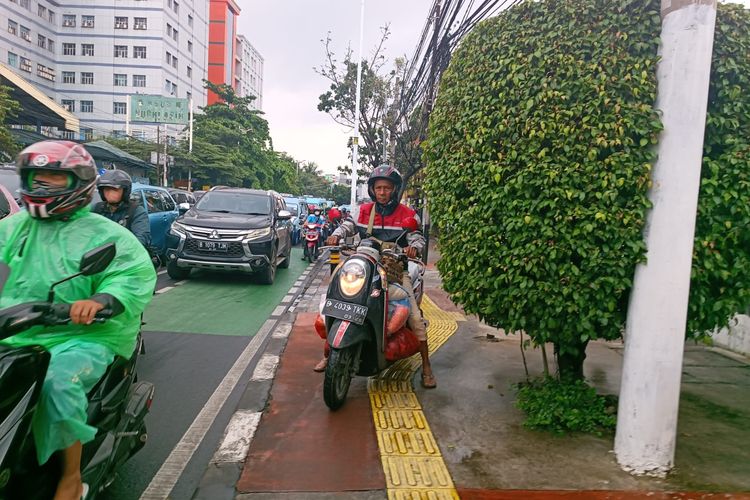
214 235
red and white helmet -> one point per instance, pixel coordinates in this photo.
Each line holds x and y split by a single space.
56 156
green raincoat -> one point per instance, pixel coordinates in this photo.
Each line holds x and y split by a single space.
41 252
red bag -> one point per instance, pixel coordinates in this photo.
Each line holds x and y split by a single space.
320 327
401 344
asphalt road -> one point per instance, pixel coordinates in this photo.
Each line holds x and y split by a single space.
195 330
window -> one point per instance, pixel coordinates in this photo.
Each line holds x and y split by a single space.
25 33
121 23
51 45
87 49
190 20
52 17
167 200
12 59
69 77
12 27
42 41
176 7
26 4
45 72
41 10
189 72
190 47
69 49
87 78
139 80
154 202
169 29
69 21
174 62
121 51
169 57
189 95
68 104
87 21
139 23
87 107
174 89
25 65
167 86
88 133
175 35
119 108
120 80
139 52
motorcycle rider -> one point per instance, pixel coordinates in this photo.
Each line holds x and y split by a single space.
385 217
42 245
115 187
316 218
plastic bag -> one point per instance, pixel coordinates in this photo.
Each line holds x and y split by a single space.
401 344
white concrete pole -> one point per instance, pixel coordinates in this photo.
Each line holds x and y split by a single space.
655 332
355 138
127 117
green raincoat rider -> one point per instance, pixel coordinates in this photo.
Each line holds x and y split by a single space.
43 245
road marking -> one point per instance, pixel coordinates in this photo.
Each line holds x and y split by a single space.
287 299
282 330
167 476
411 458
265 368
164 290
161 272
182 282
278 311
237 437
294 290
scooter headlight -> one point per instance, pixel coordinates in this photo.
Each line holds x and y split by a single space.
352 277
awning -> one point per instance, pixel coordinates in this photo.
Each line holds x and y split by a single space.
36 108
104 151
27 137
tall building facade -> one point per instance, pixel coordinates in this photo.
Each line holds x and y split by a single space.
90 56
222 44
250 72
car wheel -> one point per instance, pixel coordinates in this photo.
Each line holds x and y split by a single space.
175 272
285 263
267 275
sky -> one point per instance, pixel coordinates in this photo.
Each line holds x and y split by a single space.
288 35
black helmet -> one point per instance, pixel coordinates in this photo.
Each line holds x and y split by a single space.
388 173
62 157
115 179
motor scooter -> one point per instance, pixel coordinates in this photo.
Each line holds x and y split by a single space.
312 240
117 405
356 316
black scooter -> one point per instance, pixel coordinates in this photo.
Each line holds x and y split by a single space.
117 404
356 312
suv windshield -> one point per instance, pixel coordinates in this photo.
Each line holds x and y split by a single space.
235 203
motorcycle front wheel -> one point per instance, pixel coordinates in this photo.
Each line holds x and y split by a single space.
338 376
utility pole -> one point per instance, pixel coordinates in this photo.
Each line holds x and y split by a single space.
425 117
164 161
655 330
158 148
355 137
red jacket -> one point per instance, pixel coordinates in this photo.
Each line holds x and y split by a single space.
387 228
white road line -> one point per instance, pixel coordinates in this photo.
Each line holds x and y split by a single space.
294 290
161 272
278 311
164 290
167 476
237 437
265 368
287 299
181 282
282 330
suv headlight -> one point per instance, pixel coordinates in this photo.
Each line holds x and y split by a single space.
177 229
352 277
254 234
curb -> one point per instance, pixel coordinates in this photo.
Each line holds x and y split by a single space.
224 469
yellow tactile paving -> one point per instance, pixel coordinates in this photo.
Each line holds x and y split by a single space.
412 462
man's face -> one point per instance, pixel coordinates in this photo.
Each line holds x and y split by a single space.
383 190
51 178
113 195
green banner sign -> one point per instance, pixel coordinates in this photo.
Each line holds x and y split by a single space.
158 109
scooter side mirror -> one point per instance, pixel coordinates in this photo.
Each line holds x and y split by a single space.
97 260
4 274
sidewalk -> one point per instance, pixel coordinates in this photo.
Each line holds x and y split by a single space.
301 450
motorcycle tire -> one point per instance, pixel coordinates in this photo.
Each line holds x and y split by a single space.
338 375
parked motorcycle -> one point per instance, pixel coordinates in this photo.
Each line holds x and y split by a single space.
356 317
117 404
312 240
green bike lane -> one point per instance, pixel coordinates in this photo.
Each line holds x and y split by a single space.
194 333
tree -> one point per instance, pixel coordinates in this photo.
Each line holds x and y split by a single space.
541 142
8 109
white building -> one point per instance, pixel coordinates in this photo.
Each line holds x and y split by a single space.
89 56
250 74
